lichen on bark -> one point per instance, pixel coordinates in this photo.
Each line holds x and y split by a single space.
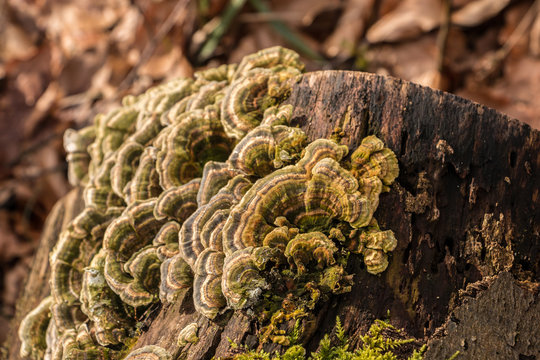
203 183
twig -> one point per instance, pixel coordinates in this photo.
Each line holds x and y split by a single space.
523 25
36 146
442 36
149 49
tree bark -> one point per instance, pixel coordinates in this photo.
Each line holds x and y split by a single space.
465 211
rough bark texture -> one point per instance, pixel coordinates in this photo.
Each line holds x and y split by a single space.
37 285
465 210
500 322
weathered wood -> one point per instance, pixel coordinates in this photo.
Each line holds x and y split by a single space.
37 285
462 166
497 320
465 207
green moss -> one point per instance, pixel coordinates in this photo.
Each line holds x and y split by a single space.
129 343
375 347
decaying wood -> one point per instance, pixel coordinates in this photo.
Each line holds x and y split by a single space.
497 319
465 209
37 285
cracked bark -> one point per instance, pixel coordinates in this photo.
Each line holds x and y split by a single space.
465 210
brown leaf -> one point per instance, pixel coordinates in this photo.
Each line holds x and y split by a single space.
10 246
30 84
460 3
43 105
258 36
125 33
246 45
78 70
477 12
350 28
15 44
14 282
54 180
169 64
514 34
522 85
79 26
413 60
535 34
300 13
410 19
387 6
515 94
101 81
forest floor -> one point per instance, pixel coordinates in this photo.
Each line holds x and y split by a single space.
61 63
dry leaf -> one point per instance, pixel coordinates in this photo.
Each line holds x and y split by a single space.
10 246
246 45
100 82
387 6
460 3
15 44
414 60
478 12
52 176
77 71
125 33
161 66
522 79
300 13
350 28
535 34
31 9
410 19
51 95
258 36
83 25
512 32
14 282
30 84
5 323
515 94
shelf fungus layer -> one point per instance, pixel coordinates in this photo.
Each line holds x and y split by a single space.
202 183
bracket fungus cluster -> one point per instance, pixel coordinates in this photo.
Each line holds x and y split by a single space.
202 183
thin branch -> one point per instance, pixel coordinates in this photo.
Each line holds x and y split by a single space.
494 61
36 146
151 46
442 36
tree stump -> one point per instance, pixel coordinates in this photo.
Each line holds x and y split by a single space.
465 210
